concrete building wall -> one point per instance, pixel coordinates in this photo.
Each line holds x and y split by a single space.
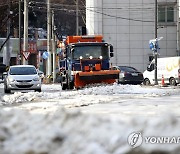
129 25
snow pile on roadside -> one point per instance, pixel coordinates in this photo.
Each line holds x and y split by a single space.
118 89
65 132
54 92
19 97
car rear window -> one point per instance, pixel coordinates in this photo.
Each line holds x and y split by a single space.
22 71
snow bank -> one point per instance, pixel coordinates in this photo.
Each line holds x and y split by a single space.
118 89
54 92
67 133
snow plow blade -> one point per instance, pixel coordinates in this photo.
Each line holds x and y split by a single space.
104 76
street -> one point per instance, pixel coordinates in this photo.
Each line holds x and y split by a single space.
144 102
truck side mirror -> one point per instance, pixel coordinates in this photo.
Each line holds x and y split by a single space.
150 67
111 51
111 48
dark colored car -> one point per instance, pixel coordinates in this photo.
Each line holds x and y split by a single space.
129 75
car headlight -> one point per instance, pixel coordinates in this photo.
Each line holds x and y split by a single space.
36 79
11 79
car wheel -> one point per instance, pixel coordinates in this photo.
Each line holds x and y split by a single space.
38 90
172 81
146 82
7 91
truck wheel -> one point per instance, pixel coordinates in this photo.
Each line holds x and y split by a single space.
63 81
71 85
172 81
146 82
64 86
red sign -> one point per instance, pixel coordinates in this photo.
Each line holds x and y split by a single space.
32 47
26 54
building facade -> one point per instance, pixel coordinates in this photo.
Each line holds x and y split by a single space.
129 25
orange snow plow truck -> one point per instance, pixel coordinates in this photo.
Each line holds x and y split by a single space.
85 60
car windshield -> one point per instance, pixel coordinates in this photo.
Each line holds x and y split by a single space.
22 71
87 51
127 69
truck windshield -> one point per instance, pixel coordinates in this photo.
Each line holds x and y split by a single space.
87 51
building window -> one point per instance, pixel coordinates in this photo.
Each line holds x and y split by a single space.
165 14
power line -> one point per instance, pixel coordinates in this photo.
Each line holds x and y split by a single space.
118 17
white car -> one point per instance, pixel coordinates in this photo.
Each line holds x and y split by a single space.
22 77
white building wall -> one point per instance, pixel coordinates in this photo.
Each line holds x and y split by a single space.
129 25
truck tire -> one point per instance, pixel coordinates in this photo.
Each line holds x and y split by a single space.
71 85
172 81
64 83
146 82
64 86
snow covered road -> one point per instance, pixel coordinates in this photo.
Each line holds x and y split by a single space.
118 100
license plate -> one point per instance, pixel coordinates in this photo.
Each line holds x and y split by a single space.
134 74
24 83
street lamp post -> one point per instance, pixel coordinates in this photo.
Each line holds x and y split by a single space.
19 61
155 51
77 17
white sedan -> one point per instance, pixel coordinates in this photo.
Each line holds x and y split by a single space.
22 77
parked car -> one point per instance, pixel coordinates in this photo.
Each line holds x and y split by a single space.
129 75
22 77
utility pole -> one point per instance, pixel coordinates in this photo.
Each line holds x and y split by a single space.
6 55
155 52
19 57
49 28
77 17
25 47
178 52
53 48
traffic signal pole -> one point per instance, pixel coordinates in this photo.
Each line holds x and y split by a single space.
155 51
